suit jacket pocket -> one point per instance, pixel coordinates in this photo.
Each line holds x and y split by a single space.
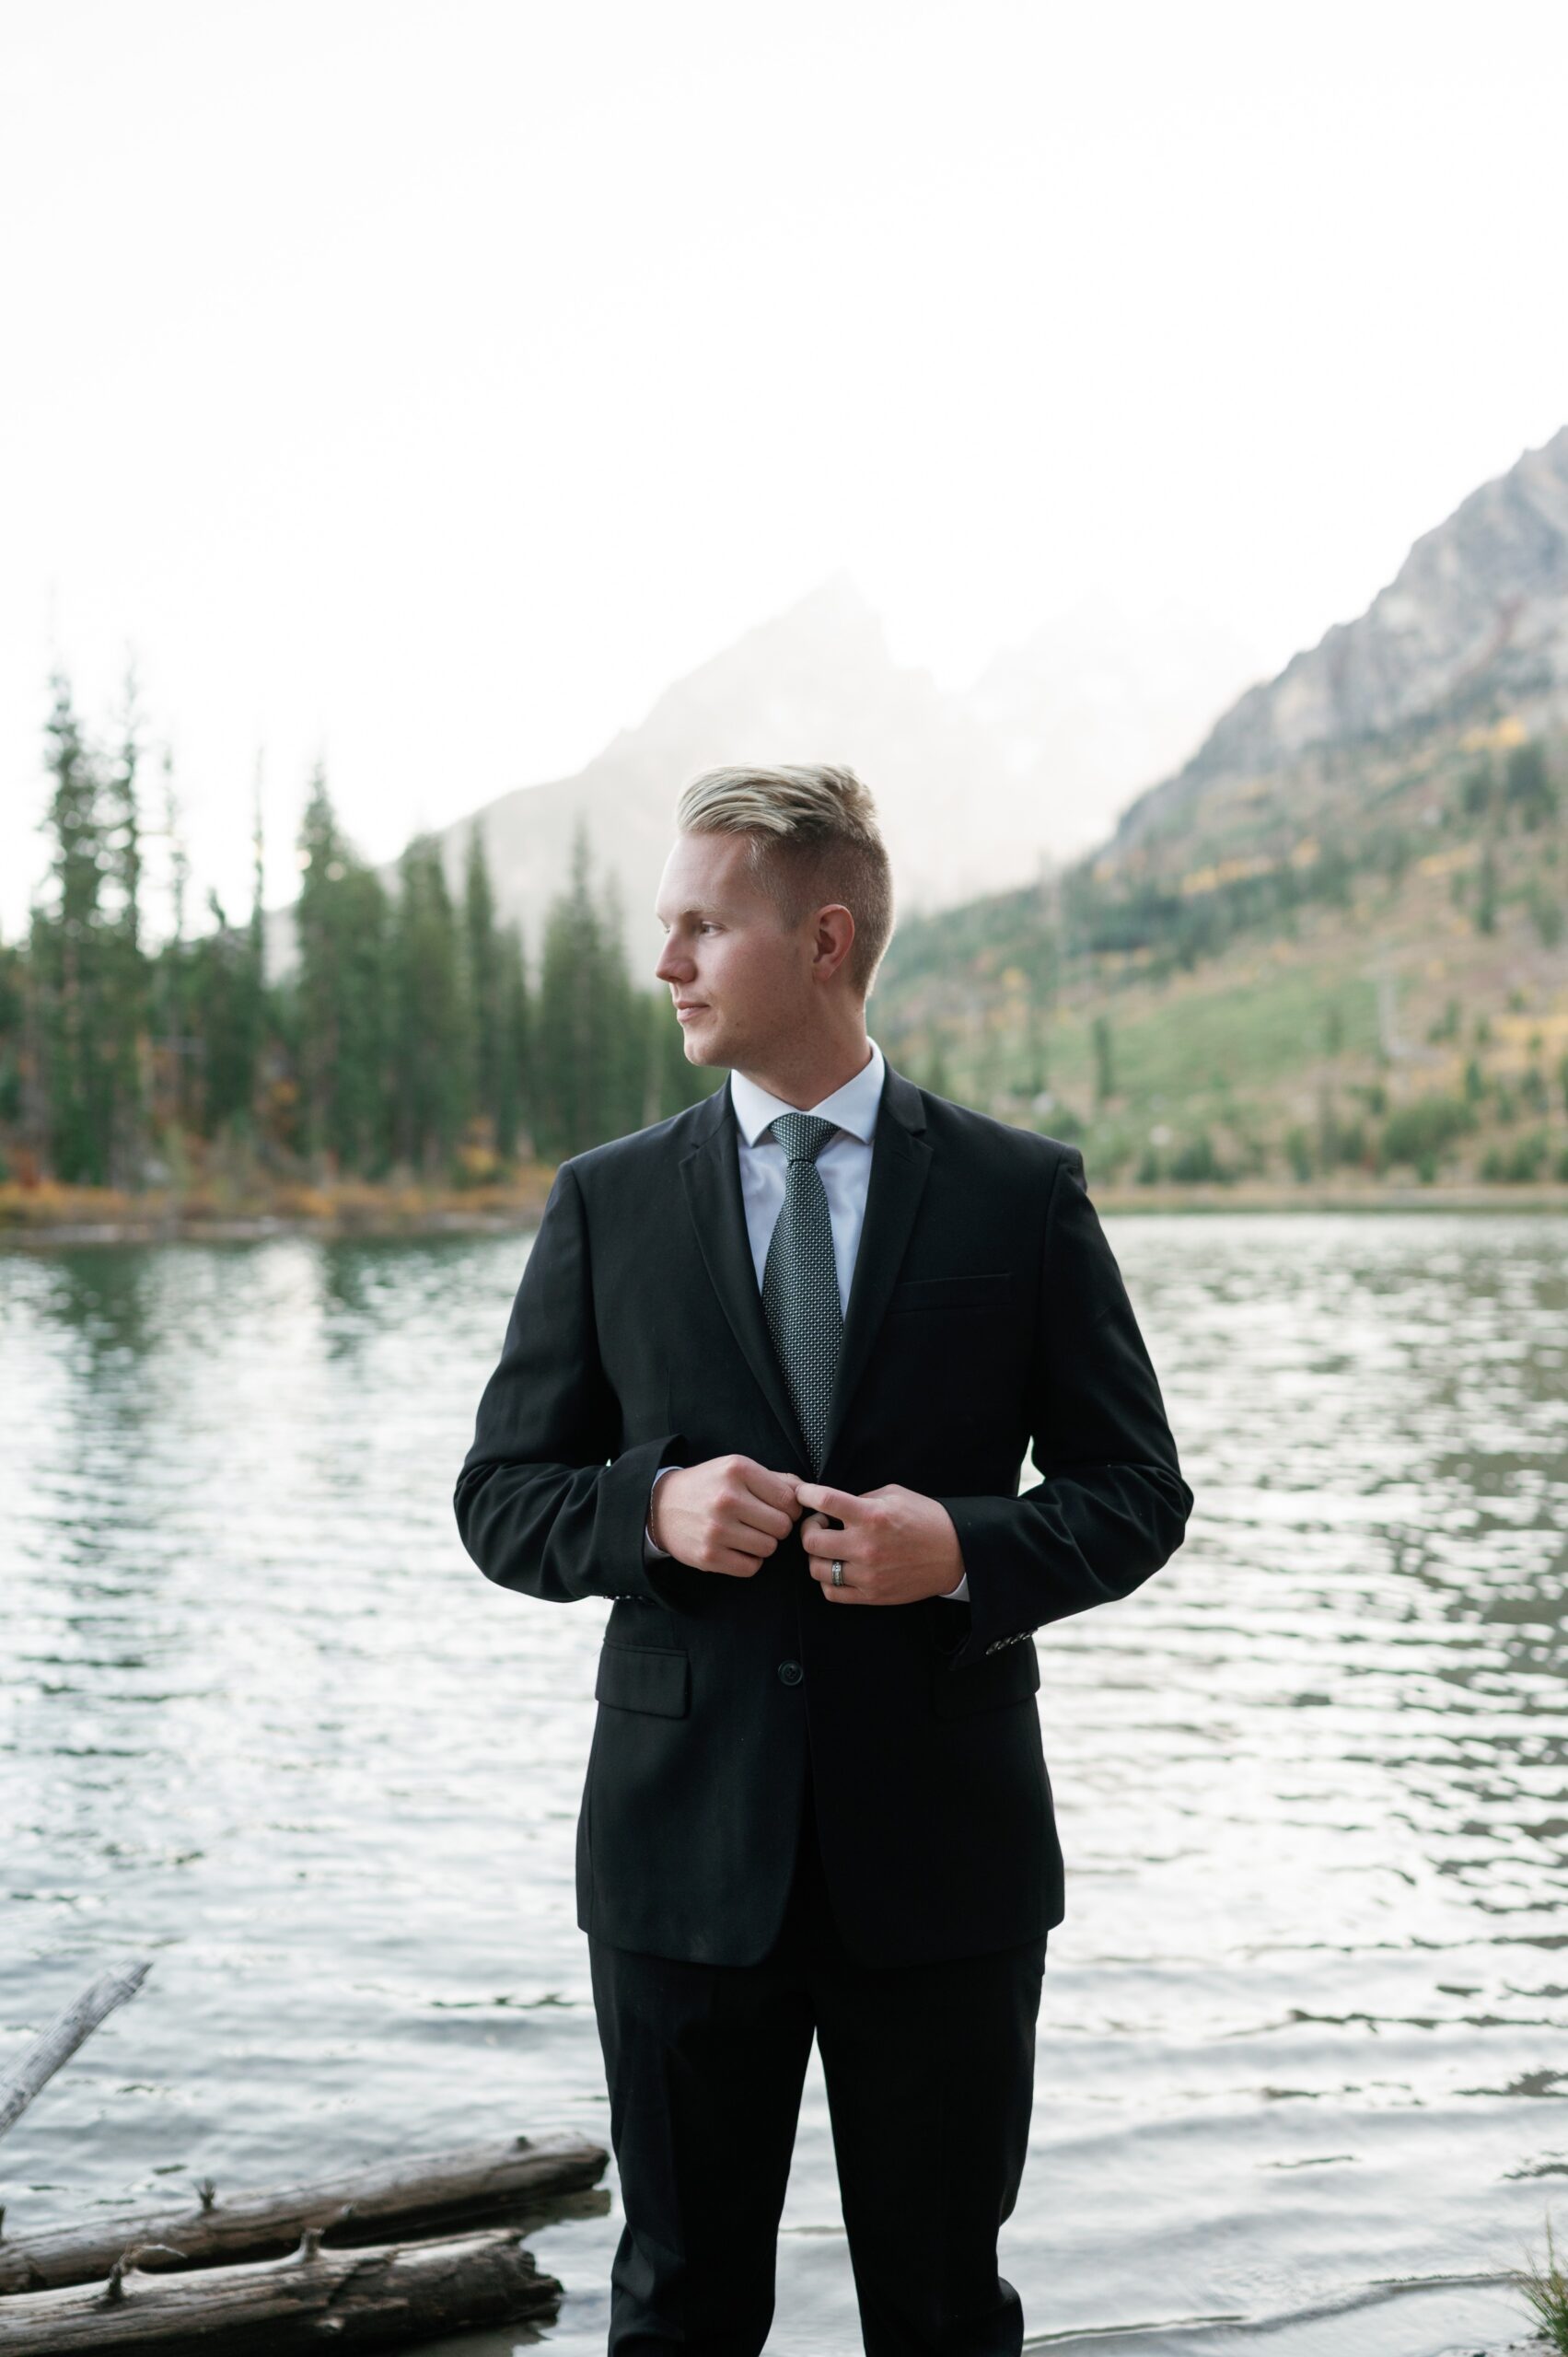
1010 1676
645 1677
990 1290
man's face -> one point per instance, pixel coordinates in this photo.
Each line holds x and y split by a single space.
739 979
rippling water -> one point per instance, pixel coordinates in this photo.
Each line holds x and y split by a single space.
1302 2043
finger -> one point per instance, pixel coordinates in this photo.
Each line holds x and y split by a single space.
767 1521
816 1539
777 1490
843 1503
733 1563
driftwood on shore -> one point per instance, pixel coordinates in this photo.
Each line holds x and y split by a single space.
254 2276
416 2195
378 2298
64 2034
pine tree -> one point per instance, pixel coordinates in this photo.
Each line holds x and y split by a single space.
12 1046
430 1082
1035 1075
176 1074
1105 1076
320 985
250 982
485 986
362 1119
1486 900
589 1085
1527 788
626 1072
341 1015
221 1000
514 1072
125 1044
67 956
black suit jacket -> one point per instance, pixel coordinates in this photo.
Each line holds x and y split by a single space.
986 1311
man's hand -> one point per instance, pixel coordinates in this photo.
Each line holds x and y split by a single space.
895 1546
727 1515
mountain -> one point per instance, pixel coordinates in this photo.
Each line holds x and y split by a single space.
993 788
1473 626
1329 953
815 683
1100 702
978 790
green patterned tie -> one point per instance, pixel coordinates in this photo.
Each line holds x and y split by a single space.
800 1280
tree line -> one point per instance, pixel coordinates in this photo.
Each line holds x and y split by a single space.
409 1039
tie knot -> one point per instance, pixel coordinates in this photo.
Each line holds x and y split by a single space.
802 1135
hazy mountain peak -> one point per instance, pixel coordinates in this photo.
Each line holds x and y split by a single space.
978 791
1100 698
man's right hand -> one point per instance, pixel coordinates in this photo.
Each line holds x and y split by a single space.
725 1514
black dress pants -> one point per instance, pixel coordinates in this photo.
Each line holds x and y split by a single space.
929 2071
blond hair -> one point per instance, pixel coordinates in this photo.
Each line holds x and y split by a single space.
813 837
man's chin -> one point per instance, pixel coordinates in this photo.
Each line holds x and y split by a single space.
704 1042
698 1051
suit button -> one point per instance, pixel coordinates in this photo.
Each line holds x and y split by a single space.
790 1673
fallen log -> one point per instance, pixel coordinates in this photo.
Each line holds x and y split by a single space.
64 2034
375 2299
394 2202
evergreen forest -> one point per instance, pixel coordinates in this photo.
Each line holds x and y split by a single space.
410 1042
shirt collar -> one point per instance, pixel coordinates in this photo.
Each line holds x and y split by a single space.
851 1108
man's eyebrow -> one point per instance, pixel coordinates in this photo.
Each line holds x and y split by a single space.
700 910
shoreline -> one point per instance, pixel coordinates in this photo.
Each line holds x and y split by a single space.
80 1217
50 1213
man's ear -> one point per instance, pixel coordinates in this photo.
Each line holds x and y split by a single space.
838 937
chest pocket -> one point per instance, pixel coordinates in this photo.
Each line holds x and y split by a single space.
992 1289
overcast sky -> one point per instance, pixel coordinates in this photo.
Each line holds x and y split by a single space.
427 383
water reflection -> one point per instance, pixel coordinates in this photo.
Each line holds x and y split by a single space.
1302 2039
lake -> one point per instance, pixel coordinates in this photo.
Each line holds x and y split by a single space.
1302 2049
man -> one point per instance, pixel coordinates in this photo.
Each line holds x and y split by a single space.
768 1383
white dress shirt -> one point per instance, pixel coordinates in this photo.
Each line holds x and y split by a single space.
844 1163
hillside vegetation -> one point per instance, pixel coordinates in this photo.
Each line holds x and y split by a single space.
1351 971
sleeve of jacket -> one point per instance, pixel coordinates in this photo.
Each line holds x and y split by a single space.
548 1502
1110 1507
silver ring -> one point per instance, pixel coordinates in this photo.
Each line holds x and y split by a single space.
838 1576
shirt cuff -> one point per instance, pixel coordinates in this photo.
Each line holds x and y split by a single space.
958 1594
652 1551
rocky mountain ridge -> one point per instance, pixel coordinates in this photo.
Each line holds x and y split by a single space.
989 789
1473 627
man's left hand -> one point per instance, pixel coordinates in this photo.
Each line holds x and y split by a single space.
895 1546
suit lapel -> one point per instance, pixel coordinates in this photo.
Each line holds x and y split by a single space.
901 1162
711 1173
